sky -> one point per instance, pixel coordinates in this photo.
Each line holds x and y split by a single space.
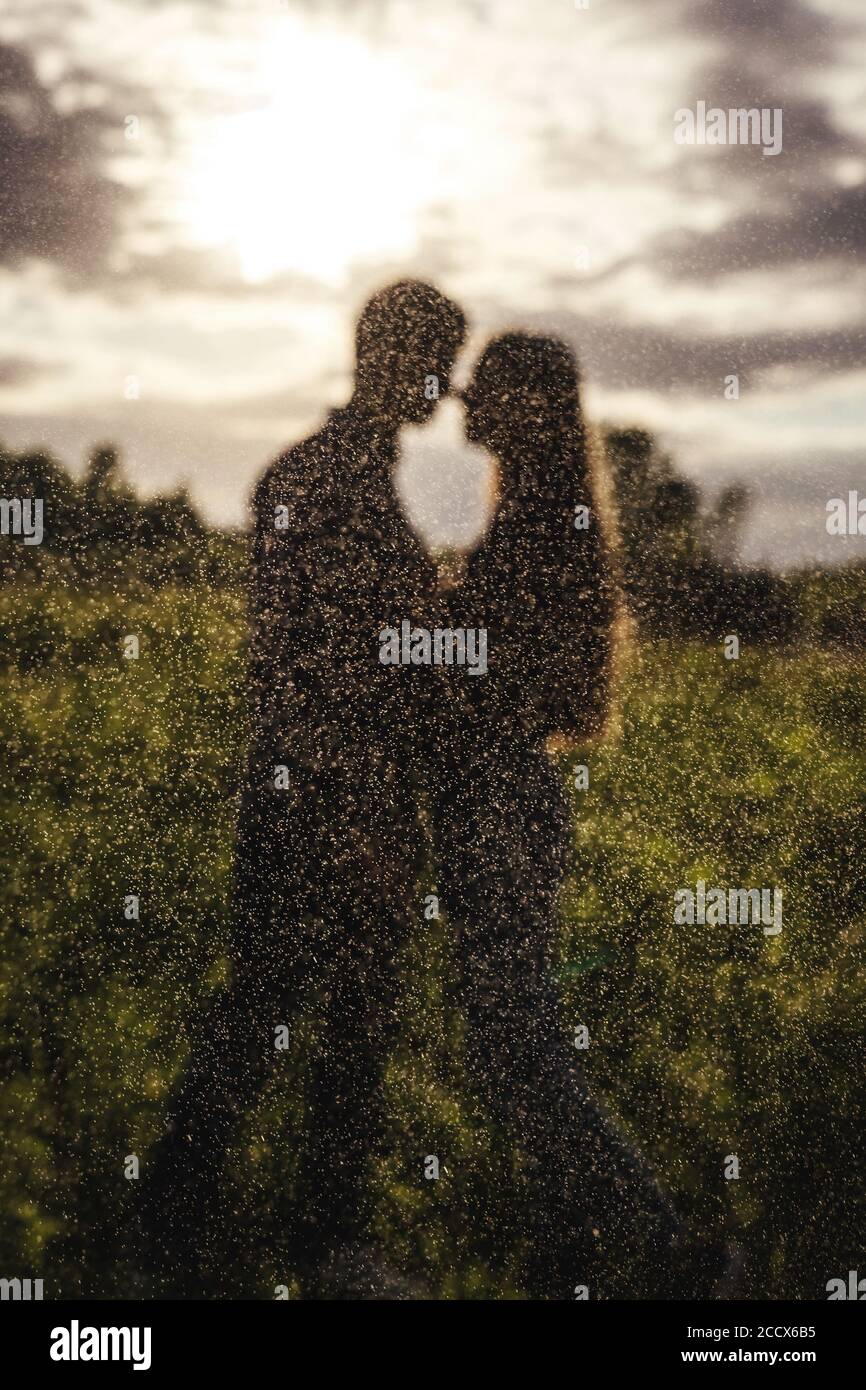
198 195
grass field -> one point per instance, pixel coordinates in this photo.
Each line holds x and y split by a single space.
706 1041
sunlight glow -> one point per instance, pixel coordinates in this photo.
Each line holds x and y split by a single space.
328 171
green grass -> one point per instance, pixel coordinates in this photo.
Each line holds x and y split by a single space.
706 1041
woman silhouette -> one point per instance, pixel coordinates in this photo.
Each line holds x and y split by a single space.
541 585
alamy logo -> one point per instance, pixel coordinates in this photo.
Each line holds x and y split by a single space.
738 126
22 516
715 907
20 1290
846 518
855 1289
77 1343
447 646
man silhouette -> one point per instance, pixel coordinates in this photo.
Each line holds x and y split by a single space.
330 838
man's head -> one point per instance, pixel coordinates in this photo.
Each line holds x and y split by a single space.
405 344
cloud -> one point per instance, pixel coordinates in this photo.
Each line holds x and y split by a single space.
621 356
556 131
769 35
17 371
58 202
811 229
781 211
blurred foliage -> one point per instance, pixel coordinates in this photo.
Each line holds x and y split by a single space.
678 554
98 531
719 1040
679 557
831 606
706 1041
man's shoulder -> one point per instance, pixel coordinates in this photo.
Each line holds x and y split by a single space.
297 470
295 462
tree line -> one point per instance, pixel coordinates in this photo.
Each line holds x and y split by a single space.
678 550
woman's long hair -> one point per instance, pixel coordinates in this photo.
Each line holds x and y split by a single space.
543 579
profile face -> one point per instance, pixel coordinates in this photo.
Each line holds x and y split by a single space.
419 365
480 421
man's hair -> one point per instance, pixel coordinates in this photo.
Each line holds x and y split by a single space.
406 313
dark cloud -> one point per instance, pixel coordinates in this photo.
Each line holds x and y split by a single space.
58 202
766 54
811 143
773 35
17 371
831 227
779 212
621 356
797 212
805 473
803 217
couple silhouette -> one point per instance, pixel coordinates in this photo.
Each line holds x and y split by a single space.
359 774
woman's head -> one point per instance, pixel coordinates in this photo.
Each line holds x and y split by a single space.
523 402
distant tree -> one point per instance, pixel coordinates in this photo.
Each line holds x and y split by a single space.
100 531
102 478
726 520
678 558
35 474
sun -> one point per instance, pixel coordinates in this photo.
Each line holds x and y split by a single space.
326 170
